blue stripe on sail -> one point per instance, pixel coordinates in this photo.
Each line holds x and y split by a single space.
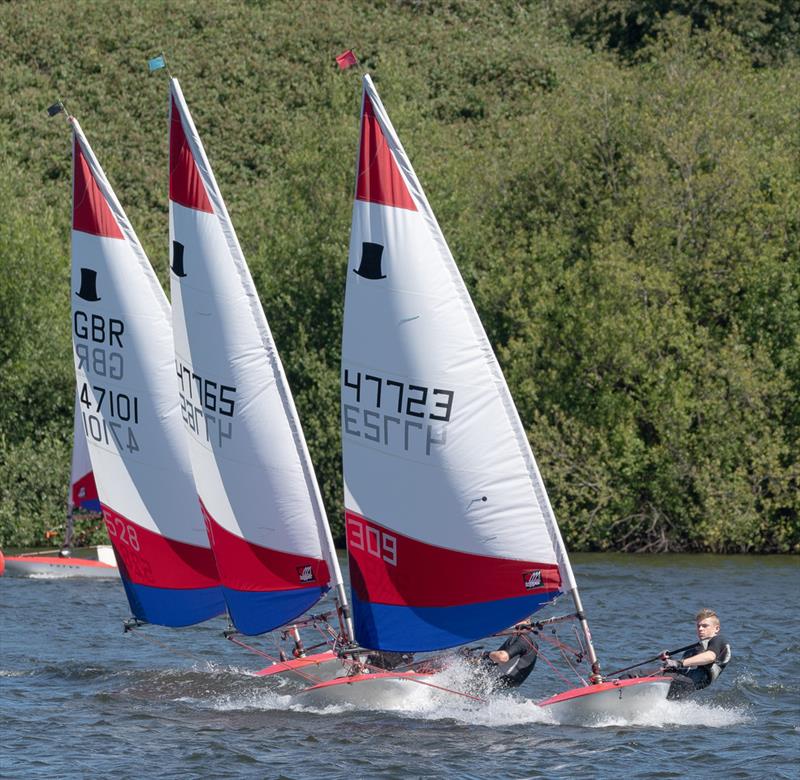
414 629
254 612
173 607
92 505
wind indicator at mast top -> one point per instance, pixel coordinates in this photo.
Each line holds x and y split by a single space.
57 108
346 59
157 63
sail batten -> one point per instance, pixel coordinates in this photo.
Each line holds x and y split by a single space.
438 472
127 410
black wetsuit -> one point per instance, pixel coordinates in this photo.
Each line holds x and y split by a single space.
388 661
686 681
522 650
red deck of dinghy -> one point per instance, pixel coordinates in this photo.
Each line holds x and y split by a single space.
588 690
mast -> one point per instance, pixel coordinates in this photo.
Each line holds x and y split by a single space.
77 431
69 528
596 677
329 551
563 562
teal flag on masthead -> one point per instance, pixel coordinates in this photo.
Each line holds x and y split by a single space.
156 63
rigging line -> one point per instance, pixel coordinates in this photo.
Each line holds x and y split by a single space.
447 690
559 645
570 665
310 677
555 671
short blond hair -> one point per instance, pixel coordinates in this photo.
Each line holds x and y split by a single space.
706 614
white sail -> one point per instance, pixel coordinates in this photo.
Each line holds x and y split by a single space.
450 532
82 487
129 409
251 465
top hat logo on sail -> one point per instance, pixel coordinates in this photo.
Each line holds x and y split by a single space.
177 259
370 267
88 291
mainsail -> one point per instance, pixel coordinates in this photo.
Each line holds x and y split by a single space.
260 498
129 410
82 492
450 533
82 487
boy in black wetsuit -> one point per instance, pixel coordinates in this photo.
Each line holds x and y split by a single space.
703 662
514 660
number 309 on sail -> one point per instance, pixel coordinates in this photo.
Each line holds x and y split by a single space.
374 541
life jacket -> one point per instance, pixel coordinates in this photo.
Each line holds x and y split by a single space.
722 660
708 671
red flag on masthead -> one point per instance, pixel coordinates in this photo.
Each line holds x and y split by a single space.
346 59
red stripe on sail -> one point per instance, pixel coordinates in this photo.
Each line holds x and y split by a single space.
379 179
389 568
147 558
185 185
247 566
90 210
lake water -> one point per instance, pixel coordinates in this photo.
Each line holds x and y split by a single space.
81 698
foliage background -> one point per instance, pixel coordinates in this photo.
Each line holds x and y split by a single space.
619 182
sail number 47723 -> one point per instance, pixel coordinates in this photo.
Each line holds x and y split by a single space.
374 541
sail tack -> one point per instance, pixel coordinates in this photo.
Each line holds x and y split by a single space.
449 531
257 487
128 410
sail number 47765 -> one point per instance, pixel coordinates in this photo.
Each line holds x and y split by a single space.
374 541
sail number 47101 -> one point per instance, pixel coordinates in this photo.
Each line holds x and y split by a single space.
374 541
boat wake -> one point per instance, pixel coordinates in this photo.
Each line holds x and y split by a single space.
670 714
458 693
465 695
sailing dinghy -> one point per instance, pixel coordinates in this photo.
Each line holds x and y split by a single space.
129 410
70 561
450 532
259 495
